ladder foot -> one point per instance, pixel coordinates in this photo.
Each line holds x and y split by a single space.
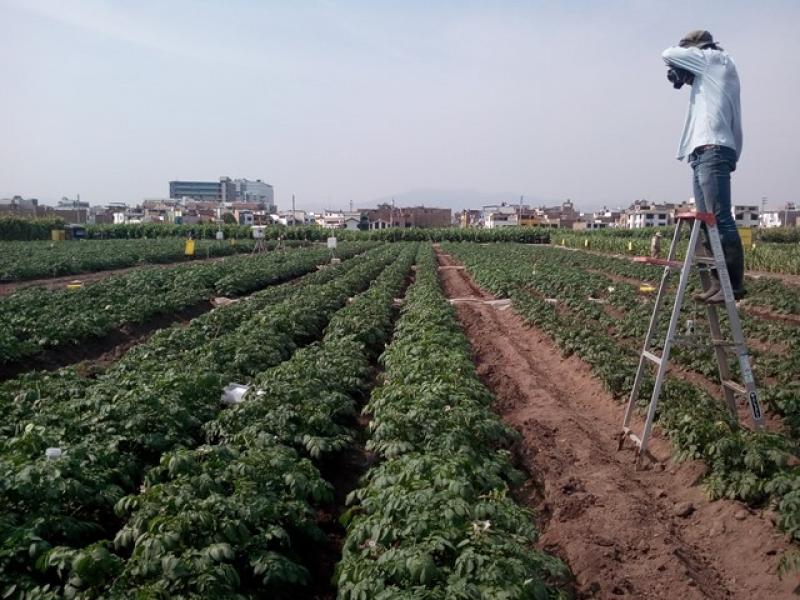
644 460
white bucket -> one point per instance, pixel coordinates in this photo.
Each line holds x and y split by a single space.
234 394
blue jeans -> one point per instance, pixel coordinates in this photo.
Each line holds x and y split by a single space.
712 193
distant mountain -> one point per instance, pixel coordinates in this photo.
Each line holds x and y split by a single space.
454 199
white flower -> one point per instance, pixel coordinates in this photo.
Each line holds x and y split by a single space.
481 526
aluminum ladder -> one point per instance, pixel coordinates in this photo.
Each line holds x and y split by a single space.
704 264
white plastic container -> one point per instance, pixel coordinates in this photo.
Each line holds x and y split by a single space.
53 453
234 393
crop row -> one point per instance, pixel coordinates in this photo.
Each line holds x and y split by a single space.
236 516
762 256
36 391
434 519
35 319
755 467
154 401
31 260
532 235
762 292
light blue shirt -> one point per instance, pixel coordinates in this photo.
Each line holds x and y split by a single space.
715 113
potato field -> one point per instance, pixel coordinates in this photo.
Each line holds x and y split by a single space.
419 419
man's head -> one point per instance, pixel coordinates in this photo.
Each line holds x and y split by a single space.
699 38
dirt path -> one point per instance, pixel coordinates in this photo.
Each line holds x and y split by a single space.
625 533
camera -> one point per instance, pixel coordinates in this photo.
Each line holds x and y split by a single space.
677 77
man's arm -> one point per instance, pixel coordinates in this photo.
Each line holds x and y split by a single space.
691 59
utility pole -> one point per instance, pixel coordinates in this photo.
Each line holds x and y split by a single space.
293 213
392 217
519 211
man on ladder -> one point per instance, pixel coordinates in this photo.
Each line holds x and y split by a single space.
711 142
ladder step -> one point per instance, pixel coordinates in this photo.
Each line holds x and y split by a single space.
661 262
706 260
652 357
727 343
735 387
705 217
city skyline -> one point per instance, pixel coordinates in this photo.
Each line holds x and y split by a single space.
363 101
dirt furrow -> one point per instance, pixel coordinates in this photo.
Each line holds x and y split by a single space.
624 533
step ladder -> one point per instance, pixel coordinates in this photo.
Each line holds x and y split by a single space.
704 265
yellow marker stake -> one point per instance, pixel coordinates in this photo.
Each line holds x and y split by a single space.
747 236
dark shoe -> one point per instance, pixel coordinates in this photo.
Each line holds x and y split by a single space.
719 297
704 296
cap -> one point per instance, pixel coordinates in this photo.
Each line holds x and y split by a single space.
699 38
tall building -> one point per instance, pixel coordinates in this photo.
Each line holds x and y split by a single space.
256 191
223 190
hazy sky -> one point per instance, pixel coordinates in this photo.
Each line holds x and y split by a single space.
336 101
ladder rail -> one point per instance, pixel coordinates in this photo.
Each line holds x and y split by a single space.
735 323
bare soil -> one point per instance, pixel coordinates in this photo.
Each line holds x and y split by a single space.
647 534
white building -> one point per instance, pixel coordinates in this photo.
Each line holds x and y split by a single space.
648 214
495 220
746 215
296 217
789 216
339 220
